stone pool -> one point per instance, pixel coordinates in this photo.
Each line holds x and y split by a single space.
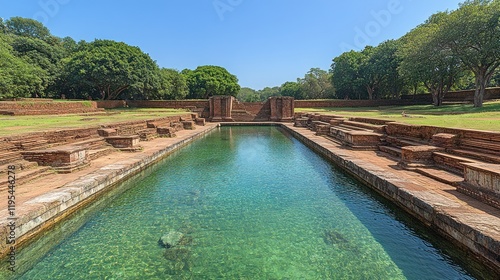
243 203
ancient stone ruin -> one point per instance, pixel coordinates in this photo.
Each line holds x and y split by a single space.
466 159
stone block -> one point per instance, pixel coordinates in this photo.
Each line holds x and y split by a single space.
418 154
301 122
188 125
166 132
177 126
482 181
200 121
445 140
125 143
336 121
106 132
64 159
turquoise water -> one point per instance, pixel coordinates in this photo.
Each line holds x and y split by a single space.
251 203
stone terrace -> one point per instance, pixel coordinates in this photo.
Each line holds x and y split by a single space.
36 155
44 193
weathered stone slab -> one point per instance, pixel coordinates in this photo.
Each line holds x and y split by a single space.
200 121
155 124
316 124
301 122
189 125
482 181
106 132
415 155
445 140
166 132
124 143
64 159
322 129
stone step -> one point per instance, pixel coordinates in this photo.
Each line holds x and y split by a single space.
10 157
352 127
451 162
32 144
25 176
483 156
372 127
393 151
147 134
93 143
440 175
97 153
403 142
481 144
19 164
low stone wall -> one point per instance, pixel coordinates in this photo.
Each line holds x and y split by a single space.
173 104
111 104
456 96
46 107
355 103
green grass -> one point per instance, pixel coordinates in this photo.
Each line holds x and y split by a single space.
452 116
10 125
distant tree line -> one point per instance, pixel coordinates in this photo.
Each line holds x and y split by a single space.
34 63
454 50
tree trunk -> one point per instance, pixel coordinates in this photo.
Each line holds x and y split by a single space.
480 89
370 91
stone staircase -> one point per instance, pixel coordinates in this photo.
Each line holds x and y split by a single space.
467 159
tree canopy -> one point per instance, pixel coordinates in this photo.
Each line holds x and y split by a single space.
209 80
105 69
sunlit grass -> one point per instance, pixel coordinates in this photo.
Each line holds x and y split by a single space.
10 125
452 116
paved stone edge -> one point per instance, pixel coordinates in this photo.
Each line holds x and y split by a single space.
54 205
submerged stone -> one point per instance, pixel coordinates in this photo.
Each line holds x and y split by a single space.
332 237
170 239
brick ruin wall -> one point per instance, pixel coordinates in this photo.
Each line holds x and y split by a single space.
457 96
47 107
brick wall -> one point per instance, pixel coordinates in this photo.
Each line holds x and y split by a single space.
457 96
174 104
354 103
46 107
111 104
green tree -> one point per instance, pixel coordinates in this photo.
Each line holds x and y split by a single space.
248 95
206 81
17 77
293 89
472 33
105 69
425 59
27 27
316 84
3 28
345 74
43 55
386 63
267 92
173 85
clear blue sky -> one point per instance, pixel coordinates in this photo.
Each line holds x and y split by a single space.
263 42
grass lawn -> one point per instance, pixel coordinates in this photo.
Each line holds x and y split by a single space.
453 116
10 125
